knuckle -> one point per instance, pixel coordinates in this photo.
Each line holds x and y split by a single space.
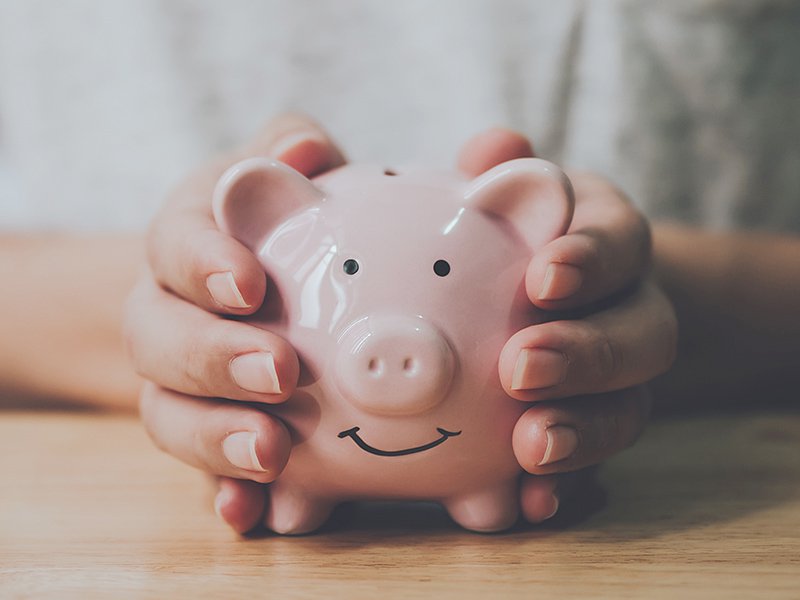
158 241
264 425
630 417
201 251
191 248
208 351
605 432
590 181
670 335
608 357
130 337
207 435
640 245
642 409
148 413
592 247
136 327
644 234
132 340
152 237
665 332
201 360
179 262
631 414
201 442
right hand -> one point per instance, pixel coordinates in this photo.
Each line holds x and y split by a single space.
192 356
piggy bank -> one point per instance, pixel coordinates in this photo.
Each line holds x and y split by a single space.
398 290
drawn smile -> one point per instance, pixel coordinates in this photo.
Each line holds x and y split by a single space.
353 433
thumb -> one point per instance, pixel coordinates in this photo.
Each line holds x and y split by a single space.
490 148
298 141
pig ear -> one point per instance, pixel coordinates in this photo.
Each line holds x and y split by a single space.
533 194
255 195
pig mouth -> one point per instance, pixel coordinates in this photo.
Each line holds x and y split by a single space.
353 434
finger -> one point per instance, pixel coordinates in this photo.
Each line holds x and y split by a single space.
625 345
579 432
240 503
227 439
298 141
490 148
187 252
206 355
541 496
607 247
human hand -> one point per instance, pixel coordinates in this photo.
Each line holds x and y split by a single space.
625 335
197 274
583 376
604 231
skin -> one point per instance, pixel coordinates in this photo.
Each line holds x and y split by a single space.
742 279
60 313
609 242
740 321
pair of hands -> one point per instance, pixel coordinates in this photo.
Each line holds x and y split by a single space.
586 399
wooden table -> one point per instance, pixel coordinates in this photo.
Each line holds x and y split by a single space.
703 507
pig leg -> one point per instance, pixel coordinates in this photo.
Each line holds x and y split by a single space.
488 509
291 510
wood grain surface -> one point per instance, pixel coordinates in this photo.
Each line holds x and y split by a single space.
701 508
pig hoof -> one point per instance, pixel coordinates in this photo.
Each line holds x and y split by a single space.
487 510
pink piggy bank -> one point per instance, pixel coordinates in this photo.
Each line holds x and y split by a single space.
398 292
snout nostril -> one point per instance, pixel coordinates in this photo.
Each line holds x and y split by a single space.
393 365
409 366
375 367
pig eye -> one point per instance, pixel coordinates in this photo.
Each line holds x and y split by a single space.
441 267
350 266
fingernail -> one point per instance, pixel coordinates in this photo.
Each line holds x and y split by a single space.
240 450
555 508
562 441
538 368
293 139
255 372
219 500
560 281
224 291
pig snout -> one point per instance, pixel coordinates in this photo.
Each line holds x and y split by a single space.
394 365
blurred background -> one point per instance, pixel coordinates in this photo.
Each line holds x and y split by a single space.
690 105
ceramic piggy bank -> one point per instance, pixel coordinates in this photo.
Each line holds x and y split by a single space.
398 291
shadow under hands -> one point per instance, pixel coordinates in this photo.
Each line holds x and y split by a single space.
697 471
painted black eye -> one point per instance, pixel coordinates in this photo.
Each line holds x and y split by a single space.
441 267
350 266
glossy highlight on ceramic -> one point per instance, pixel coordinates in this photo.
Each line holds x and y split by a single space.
398 292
